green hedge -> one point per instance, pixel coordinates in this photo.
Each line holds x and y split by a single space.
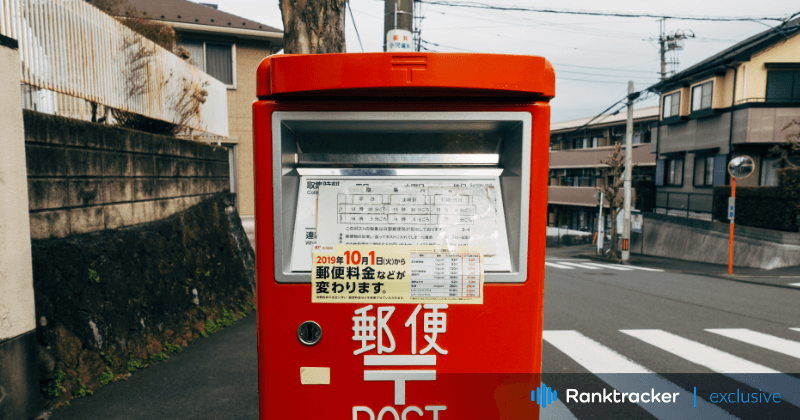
761 207
789 181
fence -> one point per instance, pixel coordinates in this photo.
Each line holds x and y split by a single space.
72 55
688 202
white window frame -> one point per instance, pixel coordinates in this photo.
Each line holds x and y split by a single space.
665 108
699 100
233 58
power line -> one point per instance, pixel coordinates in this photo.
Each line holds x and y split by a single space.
611 75
472 5
604 68
610 82
354 26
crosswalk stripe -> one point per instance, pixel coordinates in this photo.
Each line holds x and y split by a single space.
608 365
698 353
556 411
549 264
590 354
732 366
769 342
613 267
795 329
579 265
794 284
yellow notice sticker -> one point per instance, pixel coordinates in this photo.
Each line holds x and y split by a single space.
396 274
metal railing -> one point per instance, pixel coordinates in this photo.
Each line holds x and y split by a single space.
688 202
72 55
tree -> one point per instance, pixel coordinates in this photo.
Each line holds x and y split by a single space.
788 153
613 190
313 26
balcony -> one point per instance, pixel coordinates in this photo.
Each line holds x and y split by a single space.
575 196
590 158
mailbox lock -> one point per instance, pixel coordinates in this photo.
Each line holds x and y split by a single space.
309 333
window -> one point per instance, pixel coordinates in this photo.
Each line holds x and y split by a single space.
769 172
701 96
580 143
703 171
672 105
214 58
595 142
675 172
783 86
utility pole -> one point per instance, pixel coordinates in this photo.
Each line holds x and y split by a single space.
398 25
626 209
671 42
661 43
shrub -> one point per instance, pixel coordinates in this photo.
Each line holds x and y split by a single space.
761 207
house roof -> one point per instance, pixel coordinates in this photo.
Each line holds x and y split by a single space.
186 12
740 52
604 120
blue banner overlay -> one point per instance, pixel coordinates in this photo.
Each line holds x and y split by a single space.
673 396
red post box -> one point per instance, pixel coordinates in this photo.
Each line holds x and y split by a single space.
391 149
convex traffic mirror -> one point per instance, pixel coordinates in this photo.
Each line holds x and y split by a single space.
741 167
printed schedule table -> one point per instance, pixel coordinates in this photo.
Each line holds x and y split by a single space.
445 275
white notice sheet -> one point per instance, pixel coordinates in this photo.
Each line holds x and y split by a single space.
392 211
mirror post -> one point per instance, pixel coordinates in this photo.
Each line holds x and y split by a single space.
730 237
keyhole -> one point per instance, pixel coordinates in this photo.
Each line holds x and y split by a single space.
309 333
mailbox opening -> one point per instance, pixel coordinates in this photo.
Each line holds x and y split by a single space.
444 147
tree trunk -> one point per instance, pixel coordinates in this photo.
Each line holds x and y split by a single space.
613 252
313 26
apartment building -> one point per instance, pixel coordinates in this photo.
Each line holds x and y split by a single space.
734 103
576 149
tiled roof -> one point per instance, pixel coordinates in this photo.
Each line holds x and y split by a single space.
738 52
194 13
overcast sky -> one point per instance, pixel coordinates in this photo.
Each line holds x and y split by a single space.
609 50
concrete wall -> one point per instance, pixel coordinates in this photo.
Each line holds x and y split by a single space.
704 241
249 54
85 177
19 393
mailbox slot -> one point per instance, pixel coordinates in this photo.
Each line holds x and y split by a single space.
402 145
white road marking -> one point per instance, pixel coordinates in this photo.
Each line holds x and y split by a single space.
556 411
721 362
554 265
795 329
794 284
608 365
590 354
579 265
698 353
612 266
769 342
636 267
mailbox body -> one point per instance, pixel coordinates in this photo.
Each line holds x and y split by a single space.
493 355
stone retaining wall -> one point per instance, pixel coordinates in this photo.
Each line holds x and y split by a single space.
85 177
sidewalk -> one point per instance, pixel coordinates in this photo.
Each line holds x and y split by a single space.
213 378
778 277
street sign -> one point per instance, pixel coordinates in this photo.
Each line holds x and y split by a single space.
637 219
731 207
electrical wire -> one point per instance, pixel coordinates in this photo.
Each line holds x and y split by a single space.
354 26
473 5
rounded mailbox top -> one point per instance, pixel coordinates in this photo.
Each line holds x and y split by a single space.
406 74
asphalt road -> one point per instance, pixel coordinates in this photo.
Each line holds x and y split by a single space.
602 319
599 319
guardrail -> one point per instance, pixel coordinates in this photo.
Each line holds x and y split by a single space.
72 55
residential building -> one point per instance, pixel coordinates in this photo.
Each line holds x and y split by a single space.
577 147
229 48
734 103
